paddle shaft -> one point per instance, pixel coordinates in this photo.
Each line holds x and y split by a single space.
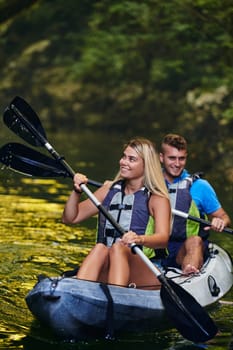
200 220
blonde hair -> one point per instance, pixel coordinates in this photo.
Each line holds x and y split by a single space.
153 176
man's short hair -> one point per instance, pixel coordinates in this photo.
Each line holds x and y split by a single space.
174 140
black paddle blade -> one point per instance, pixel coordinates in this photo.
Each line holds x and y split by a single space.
25 160
188 316
13 117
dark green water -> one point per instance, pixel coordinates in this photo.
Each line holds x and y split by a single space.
33 241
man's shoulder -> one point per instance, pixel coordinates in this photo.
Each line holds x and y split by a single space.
201 184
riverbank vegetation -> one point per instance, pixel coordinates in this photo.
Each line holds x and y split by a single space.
138 67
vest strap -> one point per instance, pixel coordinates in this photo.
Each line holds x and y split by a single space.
111 233
120 207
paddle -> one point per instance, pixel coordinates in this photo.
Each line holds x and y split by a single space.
188 316
24 122
25 160
192 321
29 162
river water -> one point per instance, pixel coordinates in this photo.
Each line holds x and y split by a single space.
33 241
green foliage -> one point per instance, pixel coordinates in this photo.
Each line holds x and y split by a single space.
142 67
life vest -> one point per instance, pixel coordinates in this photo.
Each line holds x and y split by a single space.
180 199
130 211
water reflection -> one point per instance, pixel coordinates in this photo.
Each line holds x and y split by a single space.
33 241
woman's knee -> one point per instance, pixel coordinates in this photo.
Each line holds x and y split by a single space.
100 249
117 249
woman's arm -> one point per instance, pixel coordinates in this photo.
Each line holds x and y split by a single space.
76 211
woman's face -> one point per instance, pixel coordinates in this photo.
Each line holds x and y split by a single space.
131 164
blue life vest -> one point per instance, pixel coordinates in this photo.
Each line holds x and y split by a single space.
130 211
181 199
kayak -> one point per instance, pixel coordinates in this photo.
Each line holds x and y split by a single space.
75 309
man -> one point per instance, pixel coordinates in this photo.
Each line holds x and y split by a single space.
188 241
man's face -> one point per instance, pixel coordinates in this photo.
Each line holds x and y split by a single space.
173 161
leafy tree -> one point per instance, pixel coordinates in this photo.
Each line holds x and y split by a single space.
142 67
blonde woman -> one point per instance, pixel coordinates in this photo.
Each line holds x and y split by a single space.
138 200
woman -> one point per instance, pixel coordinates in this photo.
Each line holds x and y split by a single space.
139 201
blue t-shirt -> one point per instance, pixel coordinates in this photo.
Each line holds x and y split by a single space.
202 193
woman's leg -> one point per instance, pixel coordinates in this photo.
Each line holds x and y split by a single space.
127 268
119 267
95 265
141 275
